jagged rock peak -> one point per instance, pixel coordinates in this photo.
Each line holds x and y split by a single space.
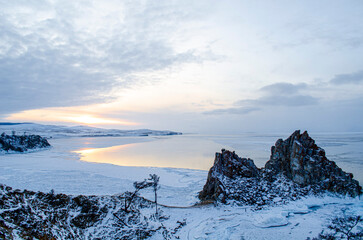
297 167
299 159
291 156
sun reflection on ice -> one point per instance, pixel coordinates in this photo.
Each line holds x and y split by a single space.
175 152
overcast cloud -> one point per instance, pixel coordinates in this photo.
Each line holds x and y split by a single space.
211 63
273 95
283 88
67 52
350 78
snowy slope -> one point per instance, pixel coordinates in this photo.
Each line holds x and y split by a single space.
55 131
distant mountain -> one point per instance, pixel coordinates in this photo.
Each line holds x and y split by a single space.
56 131
9 123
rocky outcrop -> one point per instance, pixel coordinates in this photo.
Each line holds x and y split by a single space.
299 159
229 165
297 167
22 143
37 215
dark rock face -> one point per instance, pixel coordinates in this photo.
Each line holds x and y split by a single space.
297 167
227 164
299 159
22 143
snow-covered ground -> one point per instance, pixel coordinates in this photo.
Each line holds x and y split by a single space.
296 220
60 168
56 131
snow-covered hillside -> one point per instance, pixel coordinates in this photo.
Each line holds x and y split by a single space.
55 131
37 215
26 214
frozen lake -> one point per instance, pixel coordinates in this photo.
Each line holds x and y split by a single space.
109 165
197 151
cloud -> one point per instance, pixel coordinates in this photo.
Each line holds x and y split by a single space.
332 31
281 94
238 110
283 88
288 101
278 94
350 78
71 53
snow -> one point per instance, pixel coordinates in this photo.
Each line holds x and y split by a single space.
268 220
3 152
297 142
55 131
282 222
60 168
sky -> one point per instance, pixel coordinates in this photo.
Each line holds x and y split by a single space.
190 66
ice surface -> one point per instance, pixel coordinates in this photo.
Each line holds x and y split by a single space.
59 168
270 220
281 222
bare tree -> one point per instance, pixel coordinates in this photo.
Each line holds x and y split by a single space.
129 197
154 179
153 182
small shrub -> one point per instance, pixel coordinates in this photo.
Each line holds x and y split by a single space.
346 227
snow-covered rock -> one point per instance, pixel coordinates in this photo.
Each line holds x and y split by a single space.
227 165
37 215
297 167
23 143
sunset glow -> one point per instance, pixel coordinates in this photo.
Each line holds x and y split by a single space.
86 119
75 115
